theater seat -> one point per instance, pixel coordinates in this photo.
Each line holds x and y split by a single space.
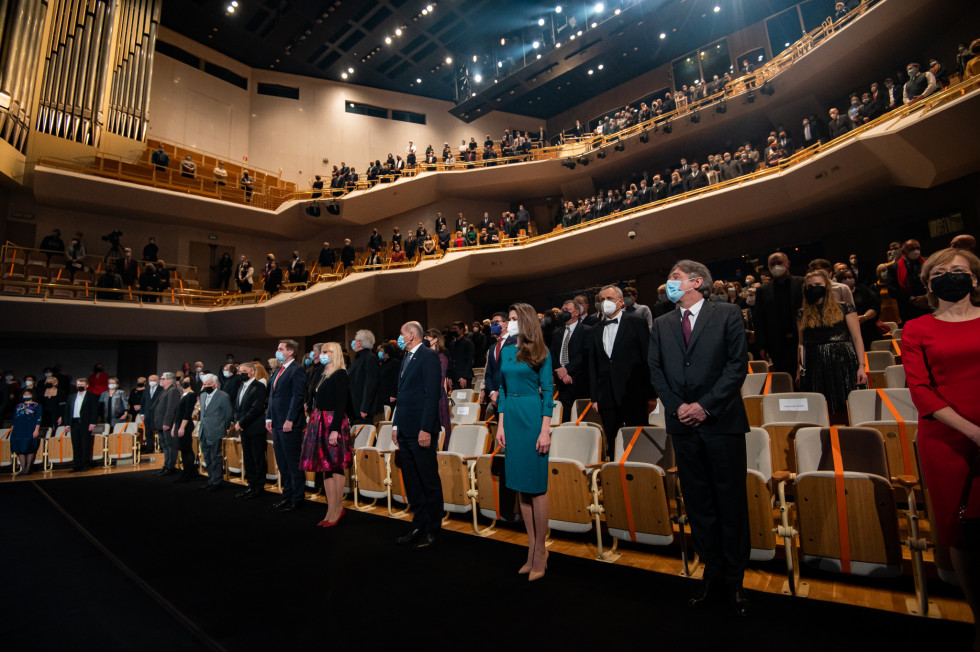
456 467
59 448
783 415
895 377
573 490
361 436
758 483
372 469
121 442
892 413
465 413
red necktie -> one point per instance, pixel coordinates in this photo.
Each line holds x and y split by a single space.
500 343
279 373
686 327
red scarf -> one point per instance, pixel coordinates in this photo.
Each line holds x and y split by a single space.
903 275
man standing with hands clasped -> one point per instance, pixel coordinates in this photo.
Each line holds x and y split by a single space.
286 419
416 431
698 361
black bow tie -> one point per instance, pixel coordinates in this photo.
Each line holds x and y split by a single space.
610 321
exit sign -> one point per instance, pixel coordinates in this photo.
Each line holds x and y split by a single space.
212 237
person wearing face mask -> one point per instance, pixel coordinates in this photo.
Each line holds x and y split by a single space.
113 403
415 430
698 362
461 355
285 419
249 418
838 125
435 341
618 374
568 356
391 357
25 431
776 305
364 372
215 417
164 416
501 338
229 382
98 381
919 85
940 353
150 396
81 413
184 427
810 134
196 375
313 372
327 446
243 275
663 305
904 284
831 348
866 306
633 307
52 400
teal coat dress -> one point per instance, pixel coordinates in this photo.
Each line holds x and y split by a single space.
525 397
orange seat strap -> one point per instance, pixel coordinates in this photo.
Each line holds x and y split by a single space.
584 412
844 535
898 349
902 432
626 491
768 385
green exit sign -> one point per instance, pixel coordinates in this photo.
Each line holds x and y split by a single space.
212 237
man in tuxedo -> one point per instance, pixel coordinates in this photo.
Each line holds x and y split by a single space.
164 413
81 413
364 374
568 357
216 416
618 374
776 305
415 431
149 397
698 361
249 412
285 419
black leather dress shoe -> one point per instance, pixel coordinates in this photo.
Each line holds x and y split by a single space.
159 472
702 596
243 494
740 602
253 494
425 541
411 537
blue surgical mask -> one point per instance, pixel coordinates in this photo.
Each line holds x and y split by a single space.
307 362
401 342
324 358
496 328
674 291
381 355
280 356
312 355
352 344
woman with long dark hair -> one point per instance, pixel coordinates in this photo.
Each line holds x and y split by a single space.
438 344
525 405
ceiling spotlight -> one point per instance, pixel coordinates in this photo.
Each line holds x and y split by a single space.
429 7
662 35
388 40
571 38
473 94
418 80
599 7
503 41
558 9
398 32
601 66
230 9
594 25
717 9
449 59
540 22
539 56
616 12
787 44
591 71
536 44
234 4
425 11
343 75
478 78
557 44
350 70
500 64
474 58
579 32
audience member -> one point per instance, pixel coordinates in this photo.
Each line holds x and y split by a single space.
904 283
25 430
364 373
777 304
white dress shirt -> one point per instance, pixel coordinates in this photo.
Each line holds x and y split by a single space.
609 333
695 309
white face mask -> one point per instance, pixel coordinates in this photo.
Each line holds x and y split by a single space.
778 271
112 385
152 384
914 254
608 308
512 328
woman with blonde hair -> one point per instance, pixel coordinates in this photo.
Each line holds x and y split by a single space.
831 348
327 444
261 374
525 405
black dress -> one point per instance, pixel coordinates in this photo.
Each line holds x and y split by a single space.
330 415
388 383
185 412
831 362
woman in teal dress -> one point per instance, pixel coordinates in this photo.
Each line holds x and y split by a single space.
25 430
525 404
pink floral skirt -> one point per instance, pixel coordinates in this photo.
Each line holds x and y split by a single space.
318 455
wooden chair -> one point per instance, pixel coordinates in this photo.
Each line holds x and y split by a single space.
783 415
573 489
372 469
6 456
895 377
465 413
396 485
756 386
584 412
637 489
361 436
271 466
456 468
875 364
121 443
231 452
892 413
59 448
758 483
100 444
758 367
463 395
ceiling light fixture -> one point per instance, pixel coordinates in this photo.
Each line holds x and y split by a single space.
540 22
350 70
449 59
478 78
599 7
662 35
558 9
343 75
388 40
717 9
398 32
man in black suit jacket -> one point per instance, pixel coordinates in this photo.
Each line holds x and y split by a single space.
364 374
776 305
415 431
618 374
462 353
285 419
249 411
698 361
500 339
568 357
838 125
81 413
149 397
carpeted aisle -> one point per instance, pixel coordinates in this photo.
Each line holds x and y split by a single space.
253 579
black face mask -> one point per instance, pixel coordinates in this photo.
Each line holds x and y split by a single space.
814 293
564 317
243 377
80 389
208 390
185 385
952 286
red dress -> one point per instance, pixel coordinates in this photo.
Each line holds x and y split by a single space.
942 365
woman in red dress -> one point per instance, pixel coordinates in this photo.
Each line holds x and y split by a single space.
941 355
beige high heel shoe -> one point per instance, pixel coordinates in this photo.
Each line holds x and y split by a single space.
536 575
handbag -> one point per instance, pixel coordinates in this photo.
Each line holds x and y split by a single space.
970 526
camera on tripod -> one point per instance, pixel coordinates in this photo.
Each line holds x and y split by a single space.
112 238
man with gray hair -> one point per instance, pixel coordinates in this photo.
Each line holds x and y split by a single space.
364 374
698 361
164 414
215 417
568 349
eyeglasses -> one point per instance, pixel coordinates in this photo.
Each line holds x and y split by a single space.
957 269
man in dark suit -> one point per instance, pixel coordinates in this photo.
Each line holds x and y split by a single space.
904 284
776 305
809 133
618 374
164 413
149 397
364 374
698 361
838 125
249 412
462 353
285 419
500 339
568 357
81 413
415 431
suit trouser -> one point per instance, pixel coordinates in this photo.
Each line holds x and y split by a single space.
170 446
287 447
253 460
420 472
81 445
784 355
631 412
186 446
712 471
213 459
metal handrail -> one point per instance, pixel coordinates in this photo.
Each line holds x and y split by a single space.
96 260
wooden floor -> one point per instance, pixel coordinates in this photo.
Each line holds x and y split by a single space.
646 558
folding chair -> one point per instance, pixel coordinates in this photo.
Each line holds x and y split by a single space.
456 467
783 415
573 489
